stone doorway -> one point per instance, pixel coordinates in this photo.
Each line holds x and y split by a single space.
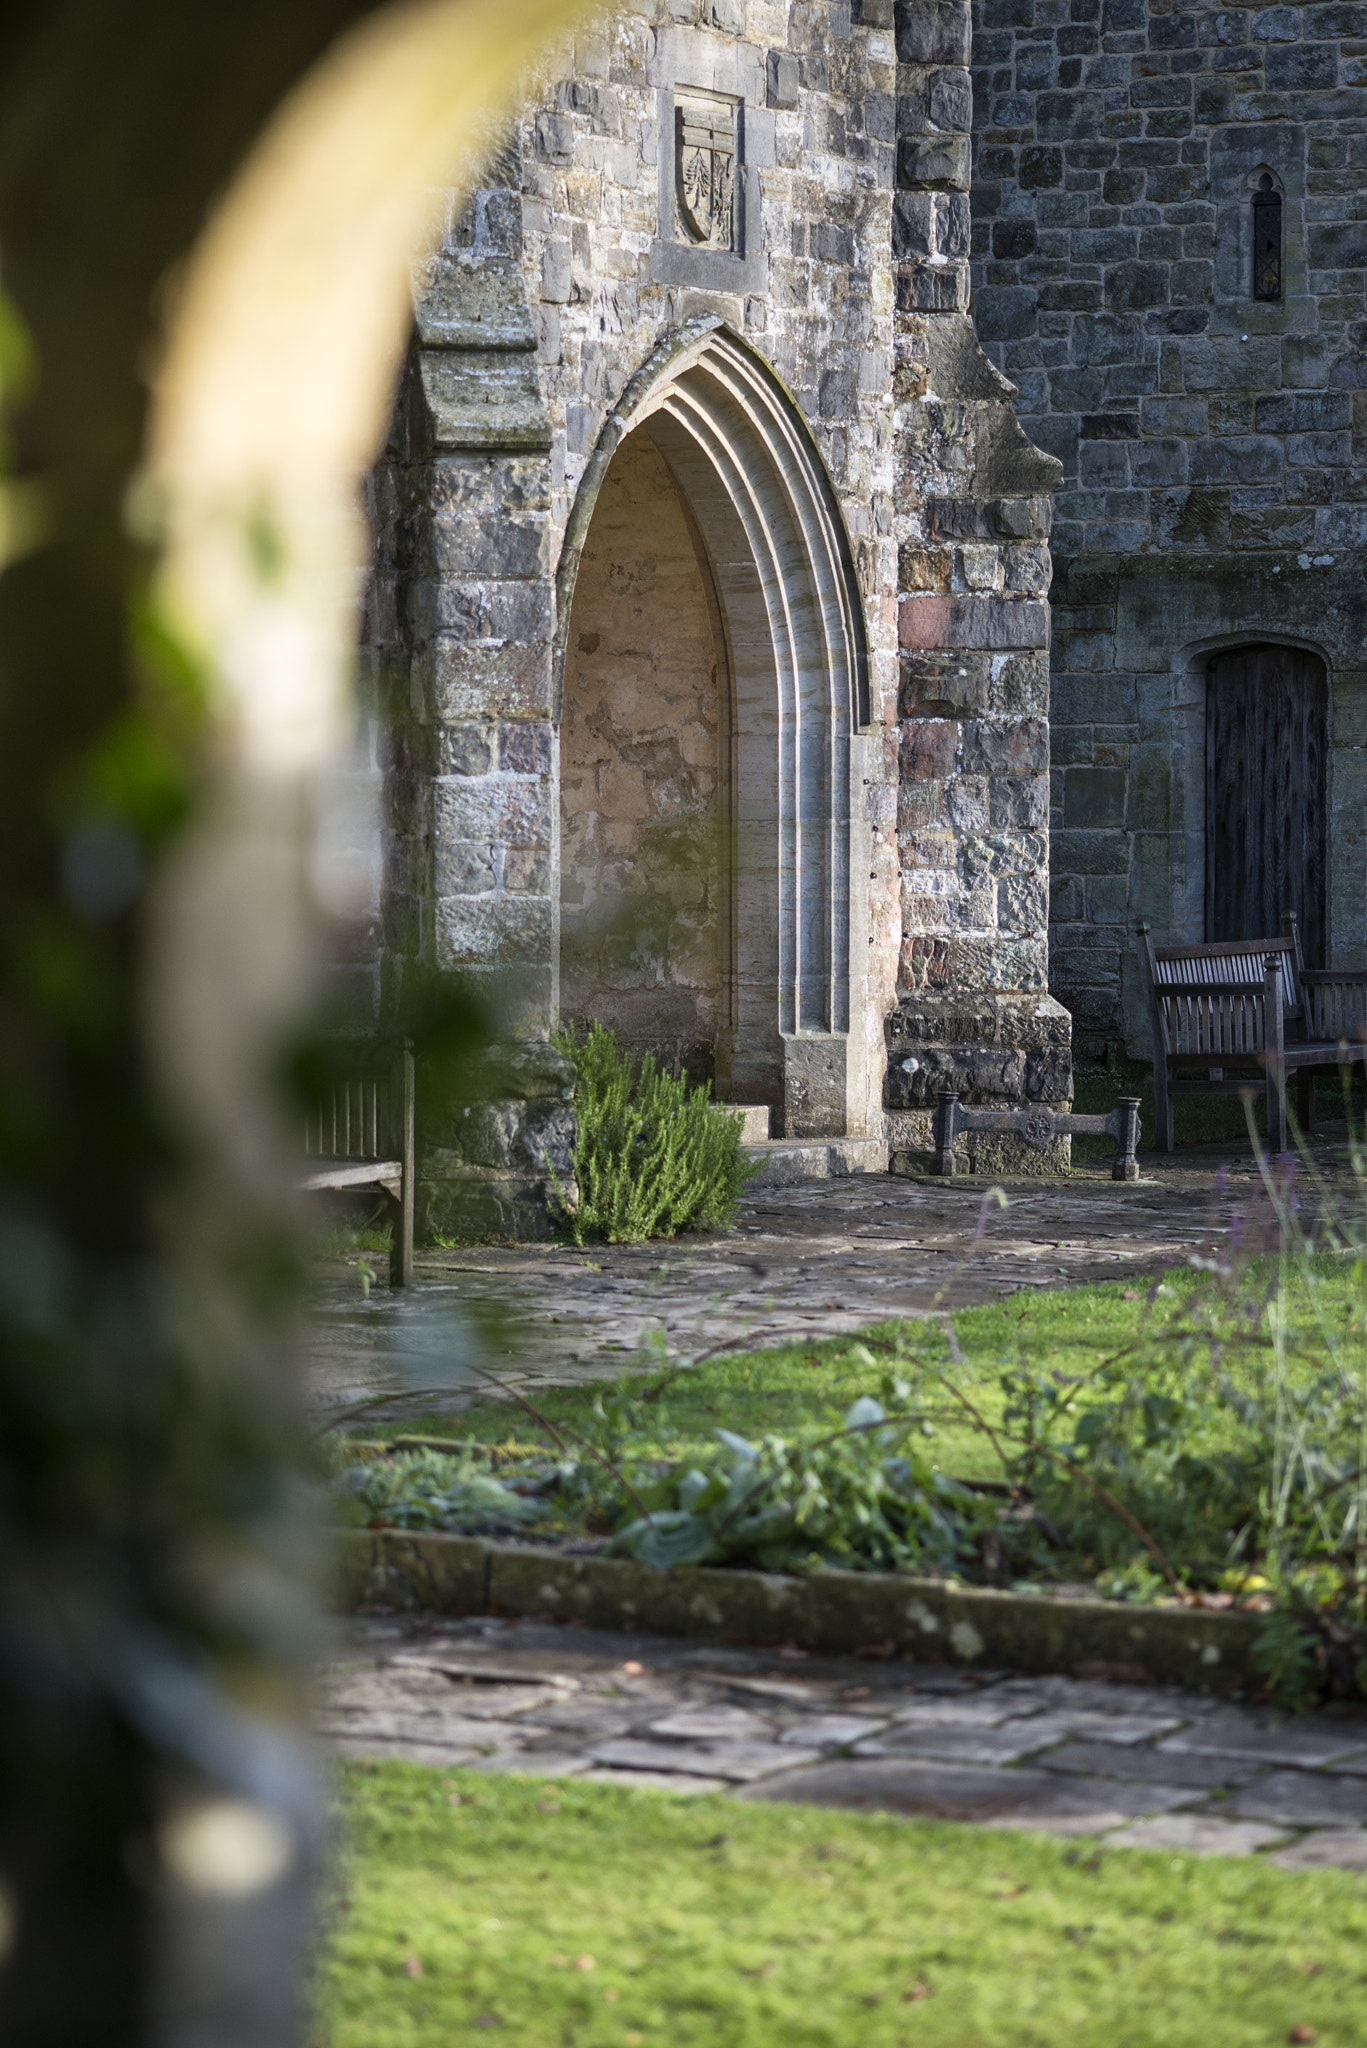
644 794
1267 753
713 901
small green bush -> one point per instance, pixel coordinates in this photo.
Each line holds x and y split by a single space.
653 1155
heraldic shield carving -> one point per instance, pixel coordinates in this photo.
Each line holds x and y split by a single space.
705 169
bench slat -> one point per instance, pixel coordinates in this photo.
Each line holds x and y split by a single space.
366 1173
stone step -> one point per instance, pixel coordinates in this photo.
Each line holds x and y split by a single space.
755 1120
787 1162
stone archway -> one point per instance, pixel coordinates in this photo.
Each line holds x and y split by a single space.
758 560
644 801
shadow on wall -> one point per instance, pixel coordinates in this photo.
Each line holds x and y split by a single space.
641 776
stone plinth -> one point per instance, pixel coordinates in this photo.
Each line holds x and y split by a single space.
992 1051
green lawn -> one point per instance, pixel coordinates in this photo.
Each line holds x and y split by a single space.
1065 1330
472 1907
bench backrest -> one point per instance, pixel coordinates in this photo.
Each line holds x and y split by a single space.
1231 960
1336 1004
361 1111
1218 1021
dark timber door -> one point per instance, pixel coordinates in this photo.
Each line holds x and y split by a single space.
1267 726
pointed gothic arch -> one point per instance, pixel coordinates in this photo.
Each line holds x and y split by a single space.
792 646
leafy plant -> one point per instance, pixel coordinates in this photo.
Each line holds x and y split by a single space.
857 1498
429 1490
653 1156
1221 1454
1215 1452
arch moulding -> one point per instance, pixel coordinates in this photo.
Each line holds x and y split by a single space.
794 648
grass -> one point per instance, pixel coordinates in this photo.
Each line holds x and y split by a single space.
780 1389
1065 1330
472 1901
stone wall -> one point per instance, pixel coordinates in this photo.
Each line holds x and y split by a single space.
568 285
642 917
1212 443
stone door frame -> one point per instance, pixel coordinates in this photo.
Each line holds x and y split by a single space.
796 654
1170 893
1188 914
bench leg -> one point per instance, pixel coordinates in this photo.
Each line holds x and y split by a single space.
404 1210
1276 1109
1305 1098
1162 1106
401 1238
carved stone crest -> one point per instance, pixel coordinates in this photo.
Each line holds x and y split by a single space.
705 169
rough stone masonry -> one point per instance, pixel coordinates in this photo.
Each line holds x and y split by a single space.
760 773
1209 409
802 837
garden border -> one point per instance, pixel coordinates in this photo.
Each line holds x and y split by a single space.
937 1620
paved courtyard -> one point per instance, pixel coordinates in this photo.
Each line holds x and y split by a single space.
819 1260
1133 1765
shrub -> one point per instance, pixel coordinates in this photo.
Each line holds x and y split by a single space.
430 1490
653 1156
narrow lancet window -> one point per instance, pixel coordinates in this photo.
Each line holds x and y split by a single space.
1267 241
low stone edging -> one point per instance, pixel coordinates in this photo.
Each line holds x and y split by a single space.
935 1620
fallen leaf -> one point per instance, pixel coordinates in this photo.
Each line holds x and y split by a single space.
633 1669
412 1966
1129 1294
1312 1969
879 1651
585 1963
915 1992
611 1993
1301 2034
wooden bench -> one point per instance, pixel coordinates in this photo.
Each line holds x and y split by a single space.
362 1135
1244 1011
1039 1127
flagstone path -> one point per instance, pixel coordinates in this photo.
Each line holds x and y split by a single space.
1133 1765
816 1261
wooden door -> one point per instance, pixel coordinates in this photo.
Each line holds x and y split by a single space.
1267 749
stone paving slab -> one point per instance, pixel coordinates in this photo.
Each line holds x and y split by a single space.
1303 1799
1107 1760
657 1781
1196 1834
959 1745
1271 1738
1140 1766
822 1260
740 1762
1330 1849
1001 1798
